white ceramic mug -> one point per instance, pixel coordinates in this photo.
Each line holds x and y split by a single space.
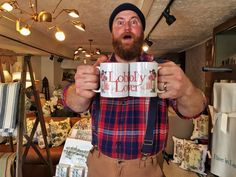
114 78
143 79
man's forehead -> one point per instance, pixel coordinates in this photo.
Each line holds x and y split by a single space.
127 14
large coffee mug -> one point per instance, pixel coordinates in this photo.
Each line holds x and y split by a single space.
114 80
143 79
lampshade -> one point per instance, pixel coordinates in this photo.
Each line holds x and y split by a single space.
79 25
73 13
44 16
7 76
16 76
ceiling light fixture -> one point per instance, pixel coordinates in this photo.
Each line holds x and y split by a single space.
51 57
82 53
98 51
147 44
60 59
71 12
79 25
170 19
165 12
8 6
11 6
25 30
60 35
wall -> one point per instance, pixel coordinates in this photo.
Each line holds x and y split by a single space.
36 65
43 67
195 60
58 72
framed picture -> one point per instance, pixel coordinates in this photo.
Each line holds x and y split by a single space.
68 75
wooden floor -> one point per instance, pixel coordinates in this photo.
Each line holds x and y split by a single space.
173 170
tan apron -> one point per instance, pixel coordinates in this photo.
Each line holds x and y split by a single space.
100 165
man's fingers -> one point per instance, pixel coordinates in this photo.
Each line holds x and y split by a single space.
85 93
101 59
89 78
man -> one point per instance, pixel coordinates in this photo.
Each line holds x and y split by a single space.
119 124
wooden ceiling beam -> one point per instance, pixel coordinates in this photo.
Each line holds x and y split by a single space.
146 7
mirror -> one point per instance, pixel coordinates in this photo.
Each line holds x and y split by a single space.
224 40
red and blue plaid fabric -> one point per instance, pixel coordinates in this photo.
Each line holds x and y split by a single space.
122 124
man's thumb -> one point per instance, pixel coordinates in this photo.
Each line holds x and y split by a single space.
101 59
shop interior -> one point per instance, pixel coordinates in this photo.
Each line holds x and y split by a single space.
43 42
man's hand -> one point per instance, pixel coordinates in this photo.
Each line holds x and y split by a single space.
87 79
190 100
177 83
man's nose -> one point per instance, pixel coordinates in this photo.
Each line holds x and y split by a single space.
127 26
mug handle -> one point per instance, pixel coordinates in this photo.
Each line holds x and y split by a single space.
99 89
160 91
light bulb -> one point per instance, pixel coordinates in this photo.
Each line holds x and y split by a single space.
60 36
7 6
25 31
145 47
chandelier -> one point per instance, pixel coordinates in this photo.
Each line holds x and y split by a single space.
23 24
81 53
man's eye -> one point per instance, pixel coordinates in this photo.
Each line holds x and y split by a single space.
134 22
120 23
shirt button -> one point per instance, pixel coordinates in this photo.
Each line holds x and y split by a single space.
123 103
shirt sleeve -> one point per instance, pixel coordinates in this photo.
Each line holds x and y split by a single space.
64 95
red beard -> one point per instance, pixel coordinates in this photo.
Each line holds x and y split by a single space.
128 50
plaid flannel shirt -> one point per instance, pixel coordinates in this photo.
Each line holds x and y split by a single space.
122 124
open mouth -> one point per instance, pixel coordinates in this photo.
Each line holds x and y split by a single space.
127 38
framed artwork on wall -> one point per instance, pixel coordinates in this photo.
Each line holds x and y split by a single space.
68 75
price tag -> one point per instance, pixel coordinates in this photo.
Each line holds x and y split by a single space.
224 122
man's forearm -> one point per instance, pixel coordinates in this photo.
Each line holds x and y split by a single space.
75 102
192 103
